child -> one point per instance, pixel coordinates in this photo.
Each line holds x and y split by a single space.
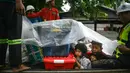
31 9
97 53
81 61
92 57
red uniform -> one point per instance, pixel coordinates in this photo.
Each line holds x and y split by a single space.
46 14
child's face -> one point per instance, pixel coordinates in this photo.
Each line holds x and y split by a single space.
78 53
93 58
96 48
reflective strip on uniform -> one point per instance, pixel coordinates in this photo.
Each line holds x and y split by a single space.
14 42
117 50
3 41
121 43
123 38
117 53
124 34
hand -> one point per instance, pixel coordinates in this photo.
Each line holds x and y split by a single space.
20 8
121 46
123 49
74 58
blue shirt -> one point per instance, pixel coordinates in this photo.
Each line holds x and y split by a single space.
34 20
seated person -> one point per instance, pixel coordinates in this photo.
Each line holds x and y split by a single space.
97 53
81 61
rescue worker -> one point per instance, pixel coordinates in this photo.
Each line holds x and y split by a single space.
47 13
30 10
10 33
123 50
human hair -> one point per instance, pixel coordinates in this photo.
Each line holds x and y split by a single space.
97 43
82 47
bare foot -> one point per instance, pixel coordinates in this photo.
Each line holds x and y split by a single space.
23 67
15 70
76 67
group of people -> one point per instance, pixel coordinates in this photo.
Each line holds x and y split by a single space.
121 55
45 14
11 12
84 58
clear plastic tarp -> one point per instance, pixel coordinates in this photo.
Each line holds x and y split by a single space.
60 32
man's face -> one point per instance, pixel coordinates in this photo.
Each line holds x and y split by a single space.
53 2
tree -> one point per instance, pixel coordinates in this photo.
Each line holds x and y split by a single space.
89 8
86 8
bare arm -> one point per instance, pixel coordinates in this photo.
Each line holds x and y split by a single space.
77 62
124 49
86 64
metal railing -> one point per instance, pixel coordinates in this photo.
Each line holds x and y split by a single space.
111 21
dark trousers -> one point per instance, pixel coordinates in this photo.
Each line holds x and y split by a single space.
10 28
109 63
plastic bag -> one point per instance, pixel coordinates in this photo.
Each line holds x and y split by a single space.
29 35
58 32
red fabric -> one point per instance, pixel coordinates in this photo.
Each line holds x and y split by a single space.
33 15
89 53
46 14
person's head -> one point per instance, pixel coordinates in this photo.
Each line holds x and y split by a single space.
93 57
123 11
80 50
30 8
96 47
50 3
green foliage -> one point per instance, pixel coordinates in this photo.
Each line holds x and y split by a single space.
58 4
86 8
89 8
38 4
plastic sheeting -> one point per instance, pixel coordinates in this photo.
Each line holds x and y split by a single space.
60 32
108 45
29 34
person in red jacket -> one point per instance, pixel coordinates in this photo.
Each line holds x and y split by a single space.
47 13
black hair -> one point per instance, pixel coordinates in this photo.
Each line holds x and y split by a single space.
97 43
82 47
